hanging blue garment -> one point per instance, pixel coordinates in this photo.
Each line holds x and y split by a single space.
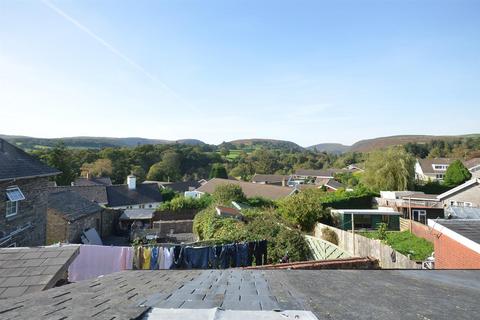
241 255
154 259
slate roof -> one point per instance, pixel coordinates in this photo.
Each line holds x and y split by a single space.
319 173
96 194
250 189
427 164
27 270
94 181
120 195
181 186
329 294
269 178
16 164
334 184
469 228
71 206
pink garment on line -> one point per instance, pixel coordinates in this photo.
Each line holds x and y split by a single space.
94 261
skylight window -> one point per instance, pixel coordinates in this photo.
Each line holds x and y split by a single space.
15 194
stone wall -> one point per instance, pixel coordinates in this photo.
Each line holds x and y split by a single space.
56 227
109 222
76 228
365 247
185 214
31 211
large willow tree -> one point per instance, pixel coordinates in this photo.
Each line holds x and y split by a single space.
392 169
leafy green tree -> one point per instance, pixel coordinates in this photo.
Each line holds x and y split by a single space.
60 158
225 194
138 172
168 194
391 169
166 170
456 174
303 209
218 171
99 168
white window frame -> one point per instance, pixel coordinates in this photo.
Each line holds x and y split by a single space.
8 208
420 214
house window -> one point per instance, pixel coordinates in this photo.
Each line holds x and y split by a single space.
12 208
439 176
440 167
420 216
14 195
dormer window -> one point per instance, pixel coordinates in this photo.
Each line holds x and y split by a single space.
14 195
441 167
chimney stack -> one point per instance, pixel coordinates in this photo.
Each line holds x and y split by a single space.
131 182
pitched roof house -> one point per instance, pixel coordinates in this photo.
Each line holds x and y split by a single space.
276 179
121 196
464 195
412 204
69 214
322 173
23 197
94 193
133 195
435 169
92 181
250 189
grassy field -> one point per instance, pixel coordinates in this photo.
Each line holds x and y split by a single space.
405 243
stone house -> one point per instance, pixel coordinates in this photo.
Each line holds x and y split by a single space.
69 214
23 197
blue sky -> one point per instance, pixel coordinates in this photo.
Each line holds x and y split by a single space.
305 71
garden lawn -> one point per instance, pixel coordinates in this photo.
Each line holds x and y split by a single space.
405 243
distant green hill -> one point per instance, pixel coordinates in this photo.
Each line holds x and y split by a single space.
336 148
384 142
30 143
266 143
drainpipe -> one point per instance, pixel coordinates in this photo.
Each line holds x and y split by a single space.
353 233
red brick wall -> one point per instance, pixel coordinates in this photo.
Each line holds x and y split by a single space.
449 254
422 231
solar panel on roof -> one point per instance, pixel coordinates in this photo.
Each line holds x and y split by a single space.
15 194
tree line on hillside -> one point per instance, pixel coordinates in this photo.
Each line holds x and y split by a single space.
176 162
390 169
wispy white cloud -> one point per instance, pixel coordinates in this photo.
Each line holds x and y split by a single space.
114 50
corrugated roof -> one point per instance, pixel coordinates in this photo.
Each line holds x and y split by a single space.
454 212
16 164
137 214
